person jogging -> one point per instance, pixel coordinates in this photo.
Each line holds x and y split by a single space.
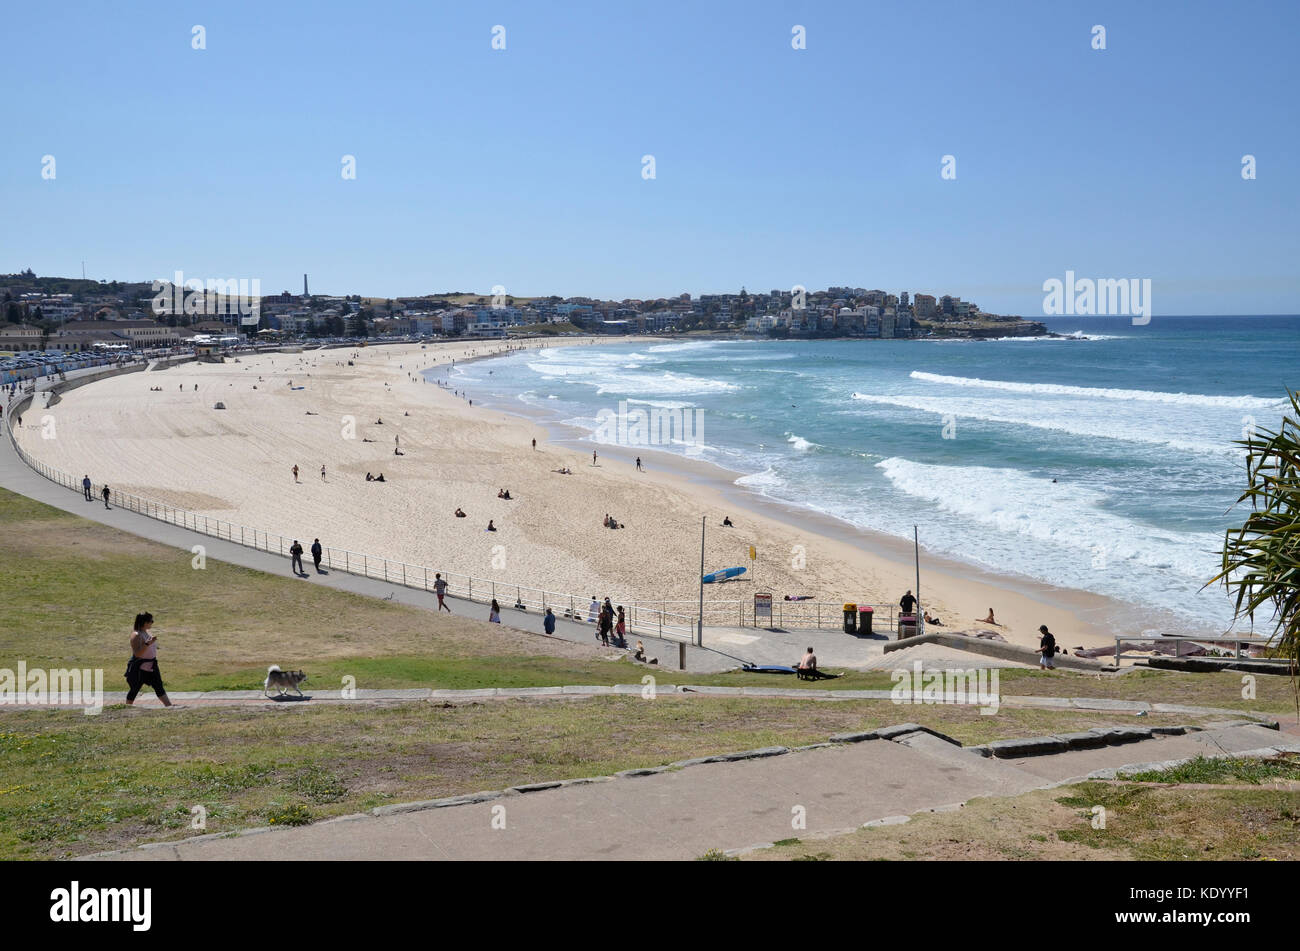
295 556
440 586
142 668
316 553
85 487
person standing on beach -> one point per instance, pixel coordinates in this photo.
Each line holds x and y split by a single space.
440 587
593 457
534 445
295 473
548 622
105 495
1046 648
143 667
295 558
85 486
322 473
638 464
316 552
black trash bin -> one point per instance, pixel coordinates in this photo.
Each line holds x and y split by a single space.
850 619
864 623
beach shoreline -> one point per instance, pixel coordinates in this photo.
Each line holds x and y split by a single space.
235 464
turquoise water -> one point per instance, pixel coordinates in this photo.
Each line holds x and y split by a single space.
964 438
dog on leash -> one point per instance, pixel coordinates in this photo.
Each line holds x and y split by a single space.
283 680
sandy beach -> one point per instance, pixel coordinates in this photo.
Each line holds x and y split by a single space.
313 409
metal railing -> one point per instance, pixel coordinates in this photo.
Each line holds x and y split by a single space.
1209 643
791 614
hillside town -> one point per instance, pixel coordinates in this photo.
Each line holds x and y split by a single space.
63 314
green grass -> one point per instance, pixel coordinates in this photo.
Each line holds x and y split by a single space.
72 784
1226 770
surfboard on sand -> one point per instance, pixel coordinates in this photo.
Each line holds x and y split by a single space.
724 575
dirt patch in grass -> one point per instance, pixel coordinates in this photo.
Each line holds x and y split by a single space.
1141 823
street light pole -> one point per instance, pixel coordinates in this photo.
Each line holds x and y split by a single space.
916 552
699 627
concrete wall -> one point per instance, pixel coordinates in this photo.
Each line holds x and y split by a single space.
999 649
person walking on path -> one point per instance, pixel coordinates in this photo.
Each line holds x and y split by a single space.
316 552
440 586
594 611
295 558
620 629
85 486
105 496
142 668
606 622
295 473
494 613
1046 648
548 622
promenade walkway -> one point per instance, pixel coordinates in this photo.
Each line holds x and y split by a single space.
683 810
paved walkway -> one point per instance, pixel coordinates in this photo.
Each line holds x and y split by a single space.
682 811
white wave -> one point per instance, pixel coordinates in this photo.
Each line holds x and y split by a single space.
1094 392
767 479
1078 419
799 443
1080 532
688 345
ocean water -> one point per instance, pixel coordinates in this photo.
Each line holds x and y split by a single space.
1103 463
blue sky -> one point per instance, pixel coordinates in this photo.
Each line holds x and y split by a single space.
774 166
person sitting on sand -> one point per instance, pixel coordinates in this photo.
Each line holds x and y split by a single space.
501 493
380 477
491 527
459 513
989 619
379 422
369 477
606 522
726 522
507 496
932 620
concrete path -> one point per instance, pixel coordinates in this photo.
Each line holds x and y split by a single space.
681 812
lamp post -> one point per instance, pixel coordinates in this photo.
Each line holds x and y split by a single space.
699 624
916 553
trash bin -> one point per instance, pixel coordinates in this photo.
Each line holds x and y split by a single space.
850 619
864 623
906 626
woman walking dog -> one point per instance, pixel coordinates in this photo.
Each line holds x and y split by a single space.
143 667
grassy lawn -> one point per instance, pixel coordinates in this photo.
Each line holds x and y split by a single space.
72 784
1231 821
